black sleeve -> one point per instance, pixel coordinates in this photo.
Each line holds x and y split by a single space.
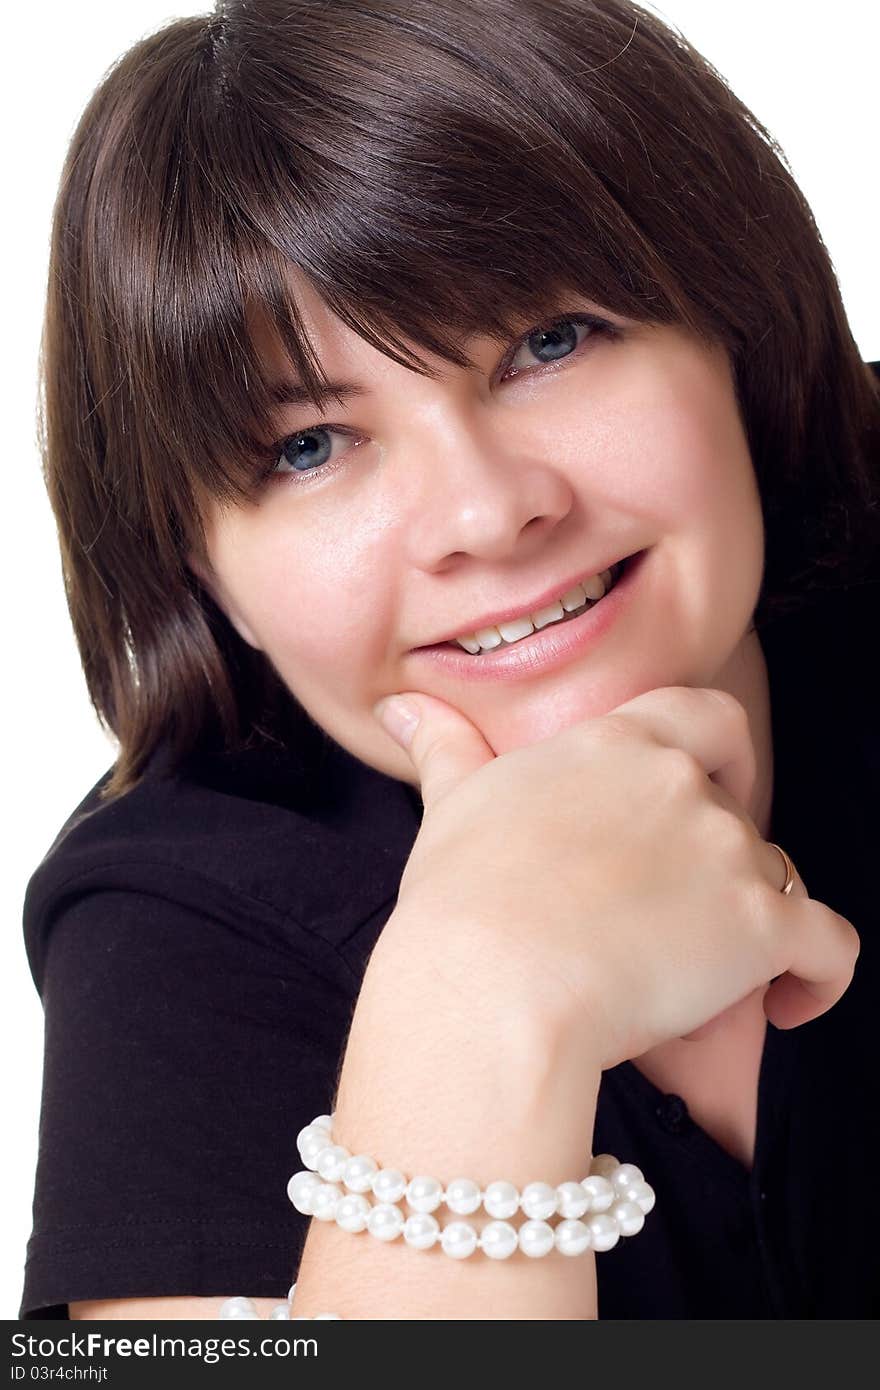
184 1049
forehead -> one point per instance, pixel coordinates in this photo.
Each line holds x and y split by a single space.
337 346
319 324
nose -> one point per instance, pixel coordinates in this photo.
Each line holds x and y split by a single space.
475 489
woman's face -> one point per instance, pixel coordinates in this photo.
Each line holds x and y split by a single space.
436 503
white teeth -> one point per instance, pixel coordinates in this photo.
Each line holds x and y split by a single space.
552 613
516 628
574 598
487 638
595 587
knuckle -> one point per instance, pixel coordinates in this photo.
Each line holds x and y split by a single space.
754 898
431 745
851 943
734 840
738 837
682 771
762 903
847 939
609 728
733 708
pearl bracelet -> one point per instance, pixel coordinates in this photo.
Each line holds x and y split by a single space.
615 1194
245 1310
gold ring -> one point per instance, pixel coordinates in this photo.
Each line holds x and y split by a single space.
789 868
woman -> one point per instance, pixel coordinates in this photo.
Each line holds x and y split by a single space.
372 333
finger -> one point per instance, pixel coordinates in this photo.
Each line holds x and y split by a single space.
709 724
445 747
791 1001
775 870
723 1020
772 862
823 950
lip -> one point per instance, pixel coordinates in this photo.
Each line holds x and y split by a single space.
546 649
508 614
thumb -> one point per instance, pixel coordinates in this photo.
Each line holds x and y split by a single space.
443 745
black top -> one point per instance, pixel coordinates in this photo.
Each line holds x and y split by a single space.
199 945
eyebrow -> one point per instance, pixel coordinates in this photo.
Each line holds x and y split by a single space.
287 392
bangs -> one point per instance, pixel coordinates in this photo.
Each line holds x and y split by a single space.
428 196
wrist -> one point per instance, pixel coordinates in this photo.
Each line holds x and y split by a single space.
435 1049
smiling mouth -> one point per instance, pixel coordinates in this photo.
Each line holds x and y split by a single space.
544 650
491 639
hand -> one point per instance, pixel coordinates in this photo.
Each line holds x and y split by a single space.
610 874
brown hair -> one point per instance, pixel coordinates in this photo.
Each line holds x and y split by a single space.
438 169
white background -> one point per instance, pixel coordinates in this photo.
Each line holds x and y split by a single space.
808 72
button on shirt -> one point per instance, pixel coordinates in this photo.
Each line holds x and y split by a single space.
199 946
672 1114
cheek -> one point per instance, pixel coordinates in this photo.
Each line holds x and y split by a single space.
320 615
680 458
713 503
665 432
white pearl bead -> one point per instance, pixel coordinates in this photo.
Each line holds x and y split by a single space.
535 1238
501 1199
332 1161
600 1192
573 1200
625 1176
325 1121
312 1147
643 1194
388 1185
604 1231
311 1131
572 1237
424 1194
539 1200
358 1172
498 1240
458 1239
463 1196
604 1165
300 1189
239 1310
279 1313
291 1291
385 1221
629 1217
325 1200
352 1212
421 1230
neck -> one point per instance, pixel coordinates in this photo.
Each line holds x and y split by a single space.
745 677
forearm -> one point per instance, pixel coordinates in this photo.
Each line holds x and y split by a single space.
453 1078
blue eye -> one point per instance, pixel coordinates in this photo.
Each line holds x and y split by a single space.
559 340
308 450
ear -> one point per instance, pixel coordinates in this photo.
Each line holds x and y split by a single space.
199 570
210 582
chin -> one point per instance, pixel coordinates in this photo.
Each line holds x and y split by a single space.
542 718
